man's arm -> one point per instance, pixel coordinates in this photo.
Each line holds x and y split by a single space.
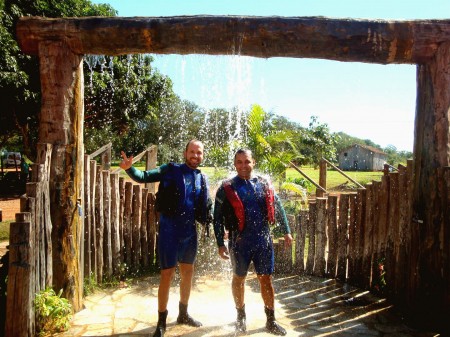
281 218
139 176
219 228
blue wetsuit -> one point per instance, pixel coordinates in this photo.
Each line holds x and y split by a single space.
177 236
254 242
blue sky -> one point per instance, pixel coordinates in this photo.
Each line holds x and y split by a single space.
368 101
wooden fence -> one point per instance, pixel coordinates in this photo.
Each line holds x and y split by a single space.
363 238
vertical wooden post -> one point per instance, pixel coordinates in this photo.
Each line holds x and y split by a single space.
342 237
321 238
87 218
115 229
151 227
107 248
21 290
322 178
352 237
135 226
61 124
332 235
127 213
99 223
311 237
431 151
144 238
93 228
300 238
152 155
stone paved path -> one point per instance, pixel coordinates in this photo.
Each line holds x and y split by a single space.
305 306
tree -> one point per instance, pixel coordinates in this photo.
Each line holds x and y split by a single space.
317 141
19 73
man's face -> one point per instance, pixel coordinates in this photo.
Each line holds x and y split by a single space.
244 163
193 156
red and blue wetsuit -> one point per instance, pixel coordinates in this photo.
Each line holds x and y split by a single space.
177 236
247 216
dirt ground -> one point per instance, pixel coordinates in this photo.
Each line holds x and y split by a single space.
9 207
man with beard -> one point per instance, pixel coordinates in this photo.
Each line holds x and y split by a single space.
182 199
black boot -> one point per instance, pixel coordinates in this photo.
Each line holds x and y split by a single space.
161 326
271 325
241 321
184 318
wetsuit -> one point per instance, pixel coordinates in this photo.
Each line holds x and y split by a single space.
177 236
254 242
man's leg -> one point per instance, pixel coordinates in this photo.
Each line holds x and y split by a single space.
163 298
238 290
186 274
268 295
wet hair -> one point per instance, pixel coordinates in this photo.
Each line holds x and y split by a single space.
243 150
192 141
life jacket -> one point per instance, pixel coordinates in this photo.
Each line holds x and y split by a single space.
238 206
171 194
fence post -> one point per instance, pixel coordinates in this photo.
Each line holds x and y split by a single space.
144 237
99 222
311 237
107 249
87 218
342 235
20 319
136 224
300 241
115 229
321 238
332 235
150 163
322 178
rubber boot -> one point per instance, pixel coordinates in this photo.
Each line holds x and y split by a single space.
241 320
271 325
161 326
184 318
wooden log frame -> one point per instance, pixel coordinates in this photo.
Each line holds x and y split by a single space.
60 44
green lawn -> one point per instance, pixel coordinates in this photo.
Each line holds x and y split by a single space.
335 178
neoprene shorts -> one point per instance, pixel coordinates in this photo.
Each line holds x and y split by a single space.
244 251
174 248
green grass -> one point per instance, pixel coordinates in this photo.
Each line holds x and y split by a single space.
335 178
4 230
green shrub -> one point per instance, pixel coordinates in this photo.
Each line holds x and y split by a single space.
53 313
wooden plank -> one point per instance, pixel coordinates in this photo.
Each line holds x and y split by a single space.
377 41
127 213
332 236
143 227
151 228
20 319
368 237
342 237
135 229
401 247
311 238
121 218
359 236
99 223
87 219
43 157
352 236
322 178
107 244
300 239
321 238
392 234
115 229
92 211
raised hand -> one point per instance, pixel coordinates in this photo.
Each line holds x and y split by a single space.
126 162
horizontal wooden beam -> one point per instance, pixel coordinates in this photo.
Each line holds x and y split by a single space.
373 41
